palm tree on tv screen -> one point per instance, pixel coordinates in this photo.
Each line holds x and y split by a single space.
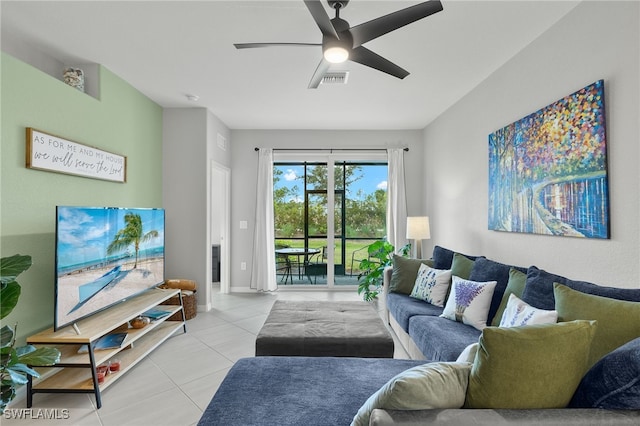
132 233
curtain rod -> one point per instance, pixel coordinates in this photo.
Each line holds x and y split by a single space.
331 149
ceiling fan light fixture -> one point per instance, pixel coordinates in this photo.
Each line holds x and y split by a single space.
336 54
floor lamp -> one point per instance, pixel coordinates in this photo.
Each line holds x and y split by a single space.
418 230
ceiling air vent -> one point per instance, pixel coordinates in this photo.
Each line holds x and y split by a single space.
336 77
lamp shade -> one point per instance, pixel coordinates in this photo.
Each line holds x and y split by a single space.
418 228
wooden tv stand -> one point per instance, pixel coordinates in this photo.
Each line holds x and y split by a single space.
77 372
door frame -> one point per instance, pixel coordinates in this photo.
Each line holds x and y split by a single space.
220 216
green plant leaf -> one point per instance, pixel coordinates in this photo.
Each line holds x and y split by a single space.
6 336
41 357
12 266
7 393
23 369
26 349
9 295
17 377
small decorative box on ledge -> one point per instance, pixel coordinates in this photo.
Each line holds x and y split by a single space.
188 288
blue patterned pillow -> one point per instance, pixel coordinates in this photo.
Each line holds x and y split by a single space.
431 285
469 302
613 383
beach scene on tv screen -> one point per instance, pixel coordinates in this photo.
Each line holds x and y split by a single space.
105 255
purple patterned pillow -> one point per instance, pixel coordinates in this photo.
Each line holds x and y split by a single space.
469 302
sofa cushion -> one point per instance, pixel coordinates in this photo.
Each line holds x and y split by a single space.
440 339
538 291
404 272
266 391
519 313
618 320
613 382
469 302
534 366
489 270
443 257
515 285
431 285
403 307
428 386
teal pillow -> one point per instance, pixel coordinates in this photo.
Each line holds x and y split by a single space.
404 273
515 286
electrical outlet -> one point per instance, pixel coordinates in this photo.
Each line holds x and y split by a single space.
243 266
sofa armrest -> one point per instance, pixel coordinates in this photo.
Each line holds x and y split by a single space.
386 281
450 417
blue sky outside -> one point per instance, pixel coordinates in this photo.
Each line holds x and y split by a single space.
84 233
373 178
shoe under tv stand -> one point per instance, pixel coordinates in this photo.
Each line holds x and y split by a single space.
77 372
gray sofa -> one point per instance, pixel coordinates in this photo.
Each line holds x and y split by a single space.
426 336
329 391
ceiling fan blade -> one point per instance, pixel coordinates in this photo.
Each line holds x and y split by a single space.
321 70
321 18
252 45
364 56
375 28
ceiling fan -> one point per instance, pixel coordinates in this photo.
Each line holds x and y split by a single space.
341 42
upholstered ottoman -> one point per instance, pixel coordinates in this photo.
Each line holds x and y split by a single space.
343 329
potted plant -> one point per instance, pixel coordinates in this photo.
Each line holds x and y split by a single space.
379 256
16 363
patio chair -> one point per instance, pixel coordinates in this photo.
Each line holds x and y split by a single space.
360 257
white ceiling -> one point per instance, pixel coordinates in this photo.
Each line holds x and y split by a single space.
168 49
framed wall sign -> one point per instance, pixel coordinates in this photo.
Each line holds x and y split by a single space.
55 154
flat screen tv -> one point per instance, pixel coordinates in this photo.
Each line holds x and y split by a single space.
105 255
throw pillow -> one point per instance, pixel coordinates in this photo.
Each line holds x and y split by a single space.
431 285
469 302
539 289
515 285
488 270
469 353
618 320
427 386
461 266
613 383
534 366
519 313
404 272
443 257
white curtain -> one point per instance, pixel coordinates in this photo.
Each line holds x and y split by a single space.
263 269
396 199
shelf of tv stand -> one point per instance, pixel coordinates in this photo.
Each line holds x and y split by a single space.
76 372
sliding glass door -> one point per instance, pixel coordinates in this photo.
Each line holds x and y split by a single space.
324 221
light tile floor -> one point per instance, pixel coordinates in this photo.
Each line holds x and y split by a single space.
175 383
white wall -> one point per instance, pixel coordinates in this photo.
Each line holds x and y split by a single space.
189 145
597 40
244 176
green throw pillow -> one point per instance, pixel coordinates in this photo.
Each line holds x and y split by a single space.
618 320
515 285
461 266
427 386
404 273
533 366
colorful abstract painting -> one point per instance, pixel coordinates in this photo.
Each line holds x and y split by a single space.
548 171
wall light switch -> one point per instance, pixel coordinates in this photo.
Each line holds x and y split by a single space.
243 224
243 266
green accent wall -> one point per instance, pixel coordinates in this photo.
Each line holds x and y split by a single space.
122 121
